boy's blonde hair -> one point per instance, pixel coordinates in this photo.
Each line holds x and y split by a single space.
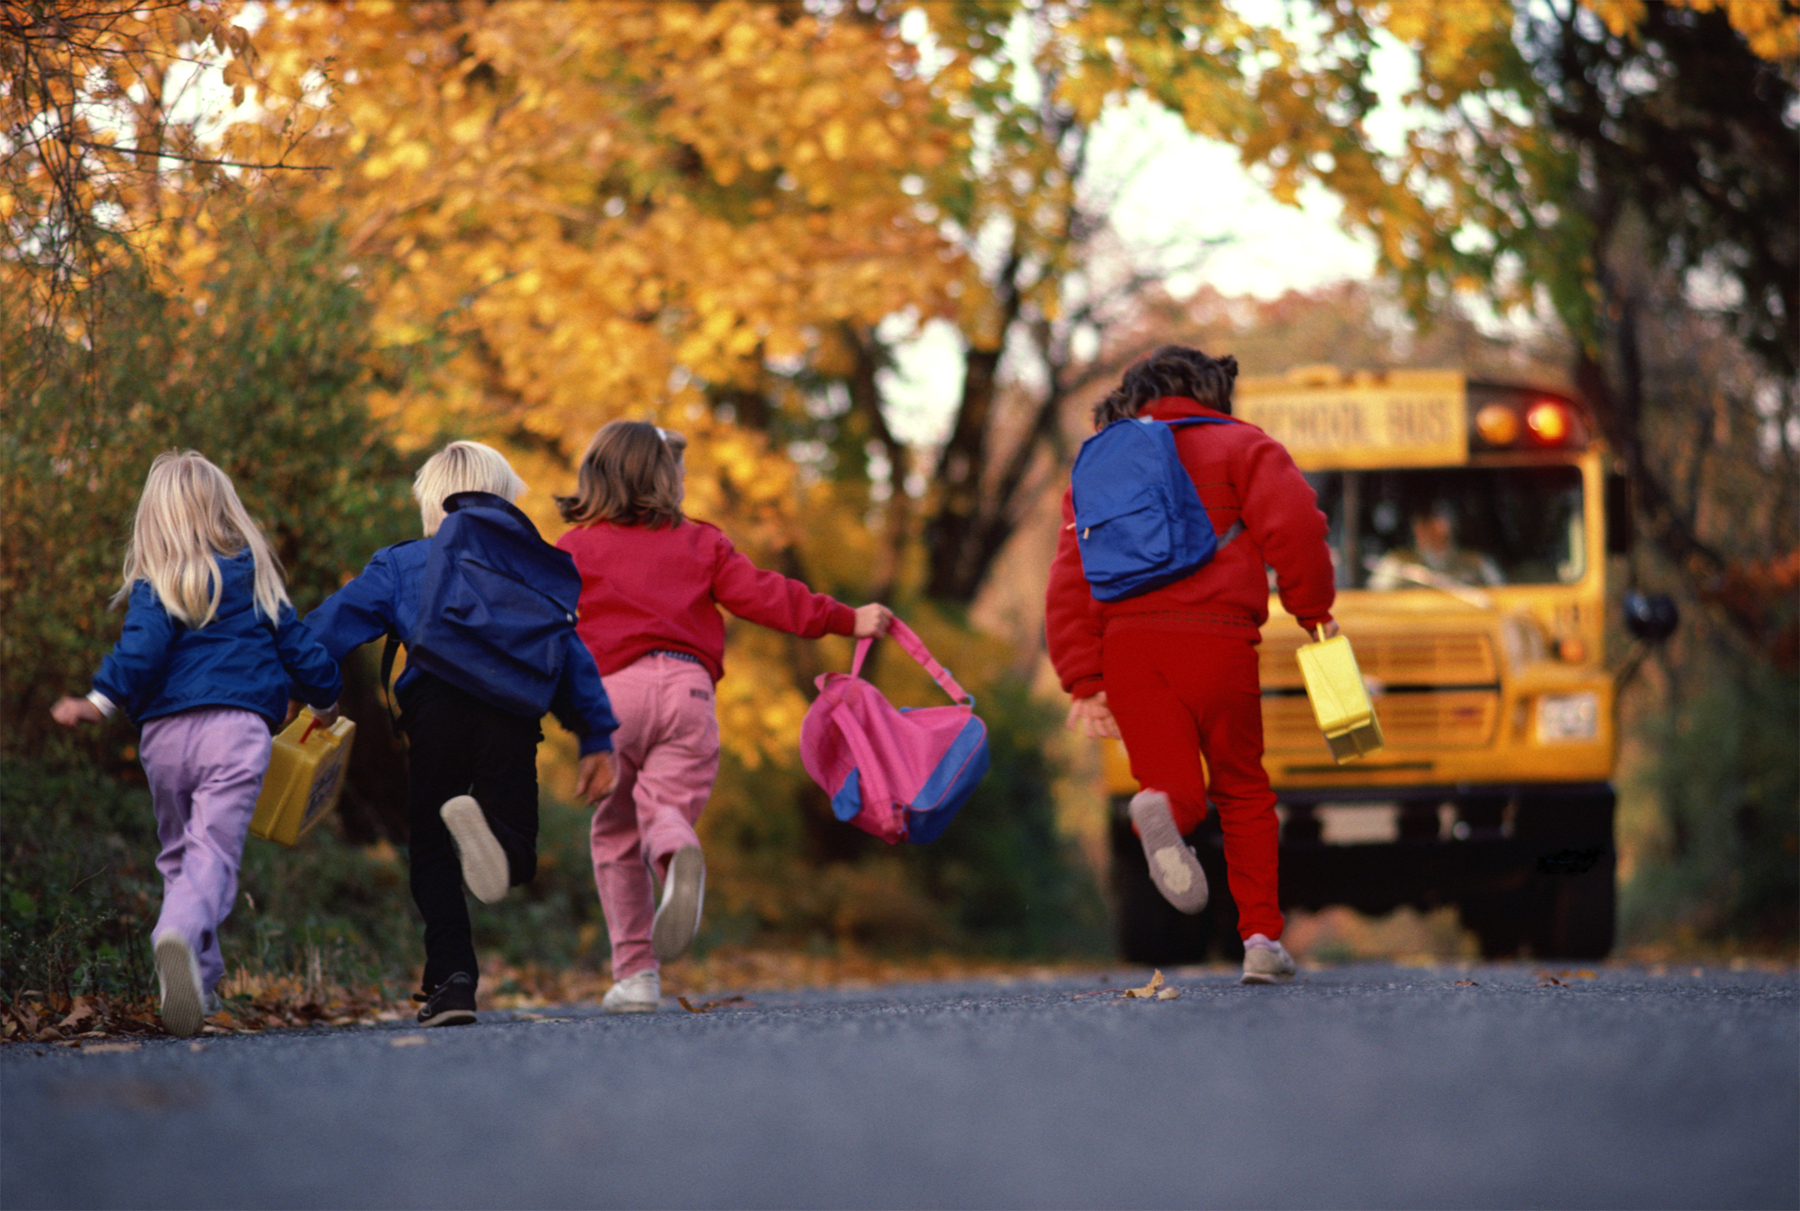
630 475
188 516
462 467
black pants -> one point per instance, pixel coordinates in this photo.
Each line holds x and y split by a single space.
460 745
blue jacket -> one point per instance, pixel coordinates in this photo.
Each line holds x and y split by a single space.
161 666
384 600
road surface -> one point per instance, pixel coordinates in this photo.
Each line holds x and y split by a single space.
1355 1086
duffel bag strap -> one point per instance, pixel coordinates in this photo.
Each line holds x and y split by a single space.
912 646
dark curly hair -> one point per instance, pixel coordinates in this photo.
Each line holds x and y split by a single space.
1171 370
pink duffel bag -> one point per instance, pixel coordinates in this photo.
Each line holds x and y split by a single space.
899 773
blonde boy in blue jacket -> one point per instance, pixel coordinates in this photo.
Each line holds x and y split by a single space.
472 804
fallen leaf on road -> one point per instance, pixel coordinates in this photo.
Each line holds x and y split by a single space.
99 1048
1545 979
709 1006
1148 990
408 1040
83 1012
196 1046
1167 994
1467 984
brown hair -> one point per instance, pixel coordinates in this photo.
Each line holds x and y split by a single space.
629 475
1171 370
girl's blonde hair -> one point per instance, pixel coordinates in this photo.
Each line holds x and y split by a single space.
630 475
188 516
462 467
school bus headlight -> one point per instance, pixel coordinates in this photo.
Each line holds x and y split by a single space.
1548 422
1497 425
1568 717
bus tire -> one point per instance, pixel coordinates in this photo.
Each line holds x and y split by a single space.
1575 914
1571 900
1497 923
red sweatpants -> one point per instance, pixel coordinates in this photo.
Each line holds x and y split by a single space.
1178 695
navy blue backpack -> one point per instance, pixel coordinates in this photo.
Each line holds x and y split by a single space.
495 605
1139 521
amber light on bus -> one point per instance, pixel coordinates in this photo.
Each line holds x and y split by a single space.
1548 422
1497 424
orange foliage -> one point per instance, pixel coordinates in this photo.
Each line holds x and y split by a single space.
611 205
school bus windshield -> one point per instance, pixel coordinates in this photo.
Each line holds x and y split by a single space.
1454 527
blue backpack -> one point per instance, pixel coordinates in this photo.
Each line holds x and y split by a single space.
495 605
1139 521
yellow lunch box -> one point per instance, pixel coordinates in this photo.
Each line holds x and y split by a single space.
1339 699
305 778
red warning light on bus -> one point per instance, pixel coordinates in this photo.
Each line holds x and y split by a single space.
1548 422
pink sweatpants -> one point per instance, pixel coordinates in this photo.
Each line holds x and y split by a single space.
667 748
206 769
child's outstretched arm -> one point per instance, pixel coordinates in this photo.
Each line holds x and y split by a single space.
597 775
316 677
872 620
1093 717
135 661
580 702
70 711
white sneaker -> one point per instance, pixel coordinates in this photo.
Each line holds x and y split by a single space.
1266 962
179 975
678 918
1174 866
640 992
484 864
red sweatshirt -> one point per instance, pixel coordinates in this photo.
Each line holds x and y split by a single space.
643 590
1243 474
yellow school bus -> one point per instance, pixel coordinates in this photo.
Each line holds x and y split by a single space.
1470 524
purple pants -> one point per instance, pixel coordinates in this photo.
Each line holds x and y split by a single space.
667 748
206 768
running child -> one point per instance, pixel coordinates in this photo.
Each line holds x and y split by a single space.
1173 671
652 584
472 809
210 654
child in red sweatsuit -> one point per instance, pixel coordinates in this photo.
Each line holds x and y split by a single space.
1172 672
652 584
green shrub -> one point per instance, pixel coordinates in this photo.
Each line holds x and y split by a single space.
1728 777
265 369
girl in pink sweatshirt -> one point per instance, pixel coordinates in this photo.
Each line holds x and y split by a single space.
652 584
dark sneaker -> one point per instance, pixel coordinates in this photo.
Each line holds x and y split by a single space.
678 917
451 1003
179 974
483 861
1174 867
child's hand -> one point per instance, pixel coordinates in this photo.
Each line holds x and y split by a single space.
872 620
71 711
1325 630
328 716
596 777
1093 717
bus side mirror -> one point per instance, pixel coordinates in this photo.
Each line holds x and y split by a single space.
1618 514
1651 617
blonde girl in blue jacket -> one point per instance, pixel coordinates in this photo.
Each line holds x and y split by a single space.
211 653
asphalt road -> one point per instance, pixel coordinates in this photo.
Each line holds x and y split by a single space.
1360 1086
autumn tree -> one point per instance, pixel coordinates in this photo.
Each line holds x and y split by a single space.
101 121
1610 157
